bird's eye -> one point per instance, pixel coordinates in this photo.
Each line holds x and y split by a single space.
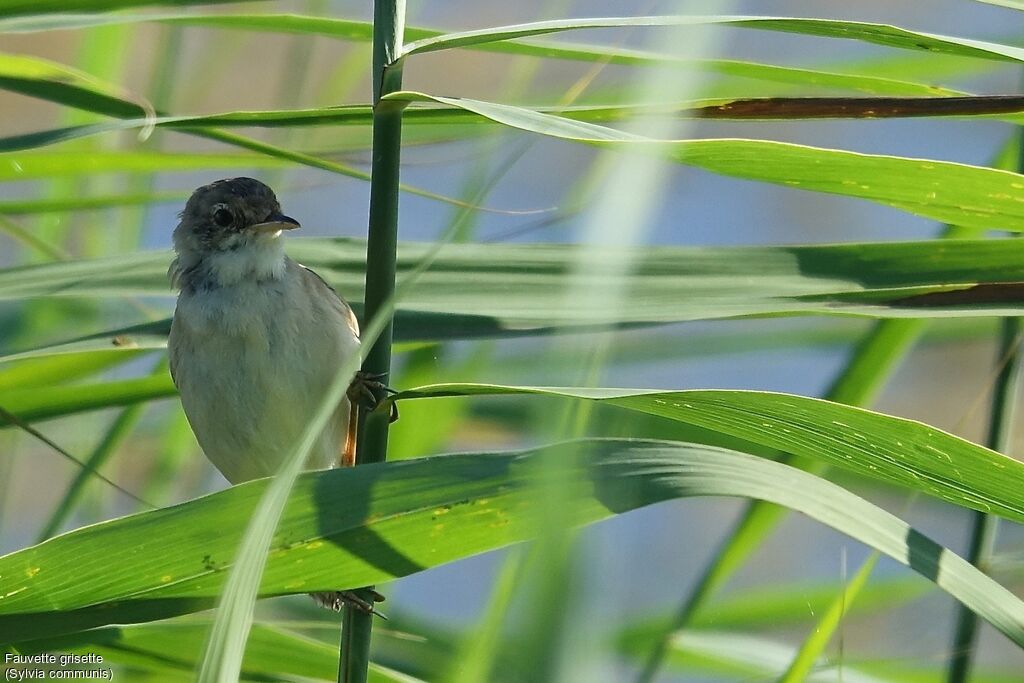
223 217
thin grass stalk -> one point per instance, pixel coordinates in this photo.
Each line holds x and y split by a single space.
381 255
807 656
118 432
981 541
29 239
115 436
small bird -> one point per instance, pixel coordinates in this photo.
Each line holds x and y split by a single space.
256 340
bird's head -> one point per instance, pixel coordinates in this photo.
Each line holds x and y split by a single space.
228 231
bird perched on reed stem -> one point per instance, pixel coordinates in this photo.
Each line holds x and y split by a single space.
256 339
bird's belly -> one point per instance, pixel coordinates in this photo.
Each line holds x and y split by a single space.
248 387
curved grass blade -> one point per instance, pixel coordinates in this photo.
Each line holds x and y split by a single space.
970 196
373 523
878 34
906 453
422 40
1012 4
56 82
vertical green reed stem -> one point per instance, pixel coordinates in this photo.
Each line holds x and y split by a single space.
983 527
388 28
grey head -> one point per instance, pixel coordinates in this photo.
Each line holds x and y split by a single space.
230 215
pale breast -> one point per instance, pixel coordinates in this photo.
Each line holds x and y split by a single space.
252 362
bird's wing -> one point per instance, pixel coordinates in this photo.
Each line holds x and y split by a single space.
172 352
314 282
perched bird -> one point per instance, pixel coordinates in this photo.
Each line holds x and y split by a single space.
256 339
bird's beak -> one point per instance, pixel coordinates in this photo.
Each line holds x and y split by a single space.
274 223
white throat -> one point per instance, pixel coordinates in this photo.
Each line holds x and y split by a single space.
256 259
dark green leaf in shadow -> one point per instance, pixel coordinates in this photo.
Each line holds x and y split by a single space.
346 29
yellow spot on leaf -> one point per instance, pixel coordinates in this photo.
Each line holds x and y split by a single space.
31 571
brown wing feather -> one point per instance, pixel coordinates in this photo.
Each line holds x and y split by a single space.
348 450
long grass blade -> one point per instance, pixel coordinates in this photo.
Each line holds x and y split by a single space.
981 540
346 29
970 196
908 454
503 37
125 561
878 34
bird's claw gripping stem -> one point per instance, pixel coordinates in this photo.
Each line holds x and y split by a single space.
365 389
336 600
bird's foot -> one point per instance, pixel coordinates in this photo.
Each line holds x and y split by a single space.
365 390
335 600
